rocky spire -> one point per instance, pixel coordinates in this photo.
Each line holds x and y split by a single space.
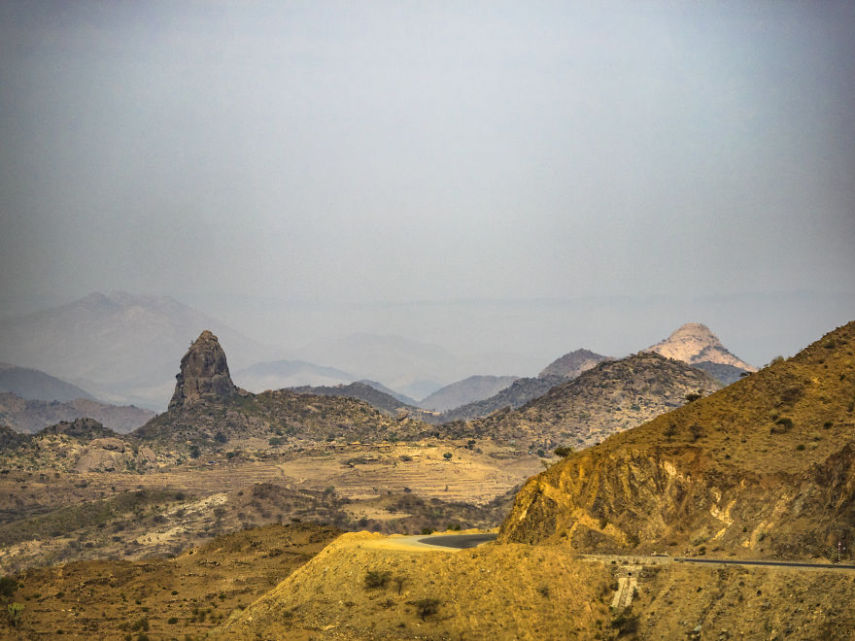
204 374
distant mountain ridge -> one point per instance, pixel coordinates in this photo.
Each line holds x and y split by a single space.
362 392
469 390
573 363
287 373
695 344
517 394
33 415
401 363
120 347
35 385
610 397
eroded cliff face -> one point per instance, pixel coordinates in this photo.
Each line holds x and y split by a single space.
204 374
763 468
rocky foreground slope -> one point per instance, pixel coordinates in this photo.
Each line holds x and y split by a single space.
764 467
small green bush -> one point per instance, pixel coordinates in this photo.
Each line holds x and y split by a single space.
564 451
8 585
375 579
426 607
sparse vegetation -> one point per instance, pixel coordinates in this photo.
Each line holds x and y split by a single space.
426 607
376 579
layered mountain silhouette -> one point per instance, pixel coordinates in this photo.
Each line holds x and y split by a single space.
33 415
469 390
763 468
35 385
118 346
363 392
288 373
573 364
695 344
610 397
517 394
208 409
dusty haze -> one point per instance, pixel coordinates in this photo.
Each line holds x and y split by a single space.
508 182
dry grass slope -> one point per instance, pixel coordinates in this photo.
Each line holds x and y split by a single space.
765 467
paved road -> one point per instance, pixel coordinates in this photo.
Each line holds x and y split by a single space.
667 560
777 564
435 543
458 541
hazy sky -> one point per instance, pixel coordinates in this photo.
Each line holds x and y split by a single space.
427 151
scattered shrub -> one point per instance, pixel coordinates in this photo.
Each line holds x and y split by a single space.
375 579
782 425
8 585
625 622
426 607
140 624
564 451
15 612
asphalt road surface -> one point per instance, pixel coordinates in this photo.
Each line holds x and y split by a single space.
779 564
458 541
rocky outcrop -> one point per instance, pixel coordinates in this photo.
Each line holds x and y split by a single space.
695 344
763 468
84 429
573 363
204 375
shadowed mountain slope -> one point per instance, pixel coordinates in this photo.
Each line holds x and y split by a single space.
469 390
362 392
34 385
764 467
613 396
518 393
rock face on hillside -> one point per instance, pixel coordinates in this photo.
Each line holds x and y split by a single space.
573 363
763 468
613 396
695 344
204 374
